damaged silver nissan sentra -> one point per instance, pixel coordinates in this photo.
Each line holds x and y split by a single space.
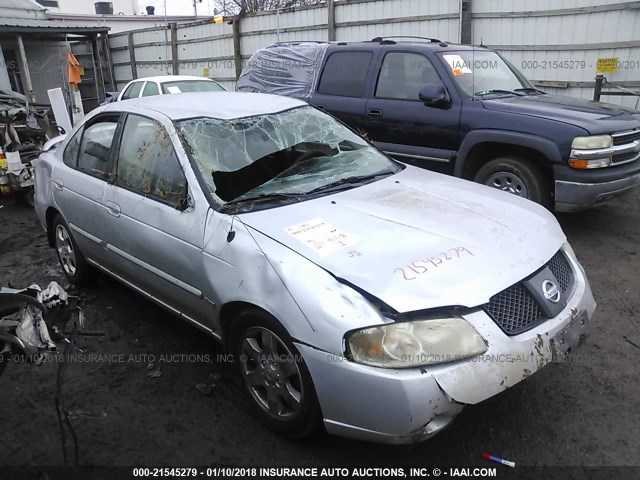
354 291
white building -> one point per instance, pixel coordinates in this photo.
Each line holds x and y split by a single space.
88 7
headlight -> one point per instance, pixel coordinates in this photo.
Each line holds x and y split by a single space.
415 343
590 143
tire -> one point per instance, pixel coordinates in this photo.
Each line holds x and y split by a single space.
73 264
518 176
273 375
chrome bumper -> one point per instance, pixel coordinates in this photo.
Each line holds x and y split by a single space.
575 196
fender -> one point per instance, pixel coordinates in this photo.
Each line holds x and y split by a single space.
546 147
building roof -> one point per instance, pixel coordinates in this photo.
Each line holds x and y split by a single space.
24 25
222 105
22 9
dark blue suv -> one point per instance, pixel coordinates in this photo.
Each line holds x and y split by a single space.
461 110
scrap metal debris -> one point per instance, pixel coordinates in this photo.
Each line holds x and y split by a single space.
154 371
32 322
635 341
208 386
24 129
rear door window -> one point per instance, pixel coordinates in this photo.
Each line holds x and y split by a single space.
147 162
133 90
150 89
95 149
403 74
345 74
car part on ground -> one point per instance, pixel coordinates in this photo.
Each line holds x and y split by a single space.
32 322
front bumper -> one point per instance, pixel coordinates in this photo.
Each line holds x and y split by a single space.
576 196
410 405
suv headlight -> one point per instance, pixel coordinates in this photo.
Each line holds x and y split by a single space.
592 142
415 343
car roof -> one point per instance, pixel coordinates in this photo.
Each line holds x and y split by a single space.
222 105
170 78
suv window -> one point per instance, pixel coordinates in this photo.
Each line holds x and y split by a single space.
344 74
403 74
147 162
70 155
151 88
132 90
95 147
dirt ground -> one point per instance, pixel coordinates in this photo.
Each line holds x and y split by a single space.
583 412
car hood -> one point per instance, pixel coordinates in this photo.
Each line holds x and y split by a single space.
418 239
595 117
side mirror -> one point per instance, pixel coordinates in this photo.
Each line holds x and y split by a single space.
434 95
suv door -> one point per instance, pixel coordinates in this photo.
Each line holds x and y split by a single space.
154 227
342 88
400 124
80 180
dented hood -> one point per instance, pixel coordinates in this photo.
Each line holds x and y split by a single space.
418 239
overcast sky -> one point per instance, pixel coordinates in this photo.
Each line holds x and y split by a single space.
177 7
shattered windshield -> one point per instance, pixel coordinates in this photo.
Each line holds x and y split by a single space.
482 73
280 156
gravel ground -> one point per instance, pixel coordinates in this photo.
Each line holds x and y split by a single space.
583 412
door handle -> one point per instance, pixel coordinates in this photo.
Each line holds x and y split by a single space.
321 107
113 208
374 113
57 183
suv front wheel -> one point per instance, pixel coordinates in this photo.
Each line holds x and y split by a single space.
517 176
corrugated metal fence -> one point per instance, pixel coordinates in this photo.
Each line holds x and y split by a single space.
556 43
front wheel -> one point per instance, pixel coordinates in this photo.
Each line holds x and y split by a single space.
518 176
273 375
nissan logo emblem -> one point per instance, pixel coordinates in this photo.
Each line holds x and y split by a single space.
551 291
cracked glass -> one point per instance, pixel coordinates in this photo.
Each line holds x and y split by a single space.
295 152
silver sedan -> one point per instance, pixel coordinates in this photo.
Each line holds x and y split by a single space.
355 293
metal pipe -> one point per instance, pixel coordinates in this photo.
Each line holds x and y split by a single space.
25 67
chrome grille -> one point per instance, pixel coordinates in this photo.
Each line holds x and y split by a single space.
624 158
559 266
625 137
514 310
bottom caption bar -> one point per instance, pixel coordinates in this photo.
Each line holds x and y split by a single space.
329 473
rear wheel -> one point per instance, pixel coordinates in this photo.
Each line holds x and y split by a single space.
273 375
73 264
518 176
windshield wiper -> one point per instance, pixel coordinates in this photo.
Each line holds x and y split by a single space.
349 181
528 90
498 91
265 197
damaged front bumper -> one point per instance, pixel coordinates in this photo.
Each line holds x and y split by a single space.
410 405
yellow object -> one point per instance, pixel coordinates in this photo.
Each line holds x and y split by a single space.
218 20
578 163
607 65
205 72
